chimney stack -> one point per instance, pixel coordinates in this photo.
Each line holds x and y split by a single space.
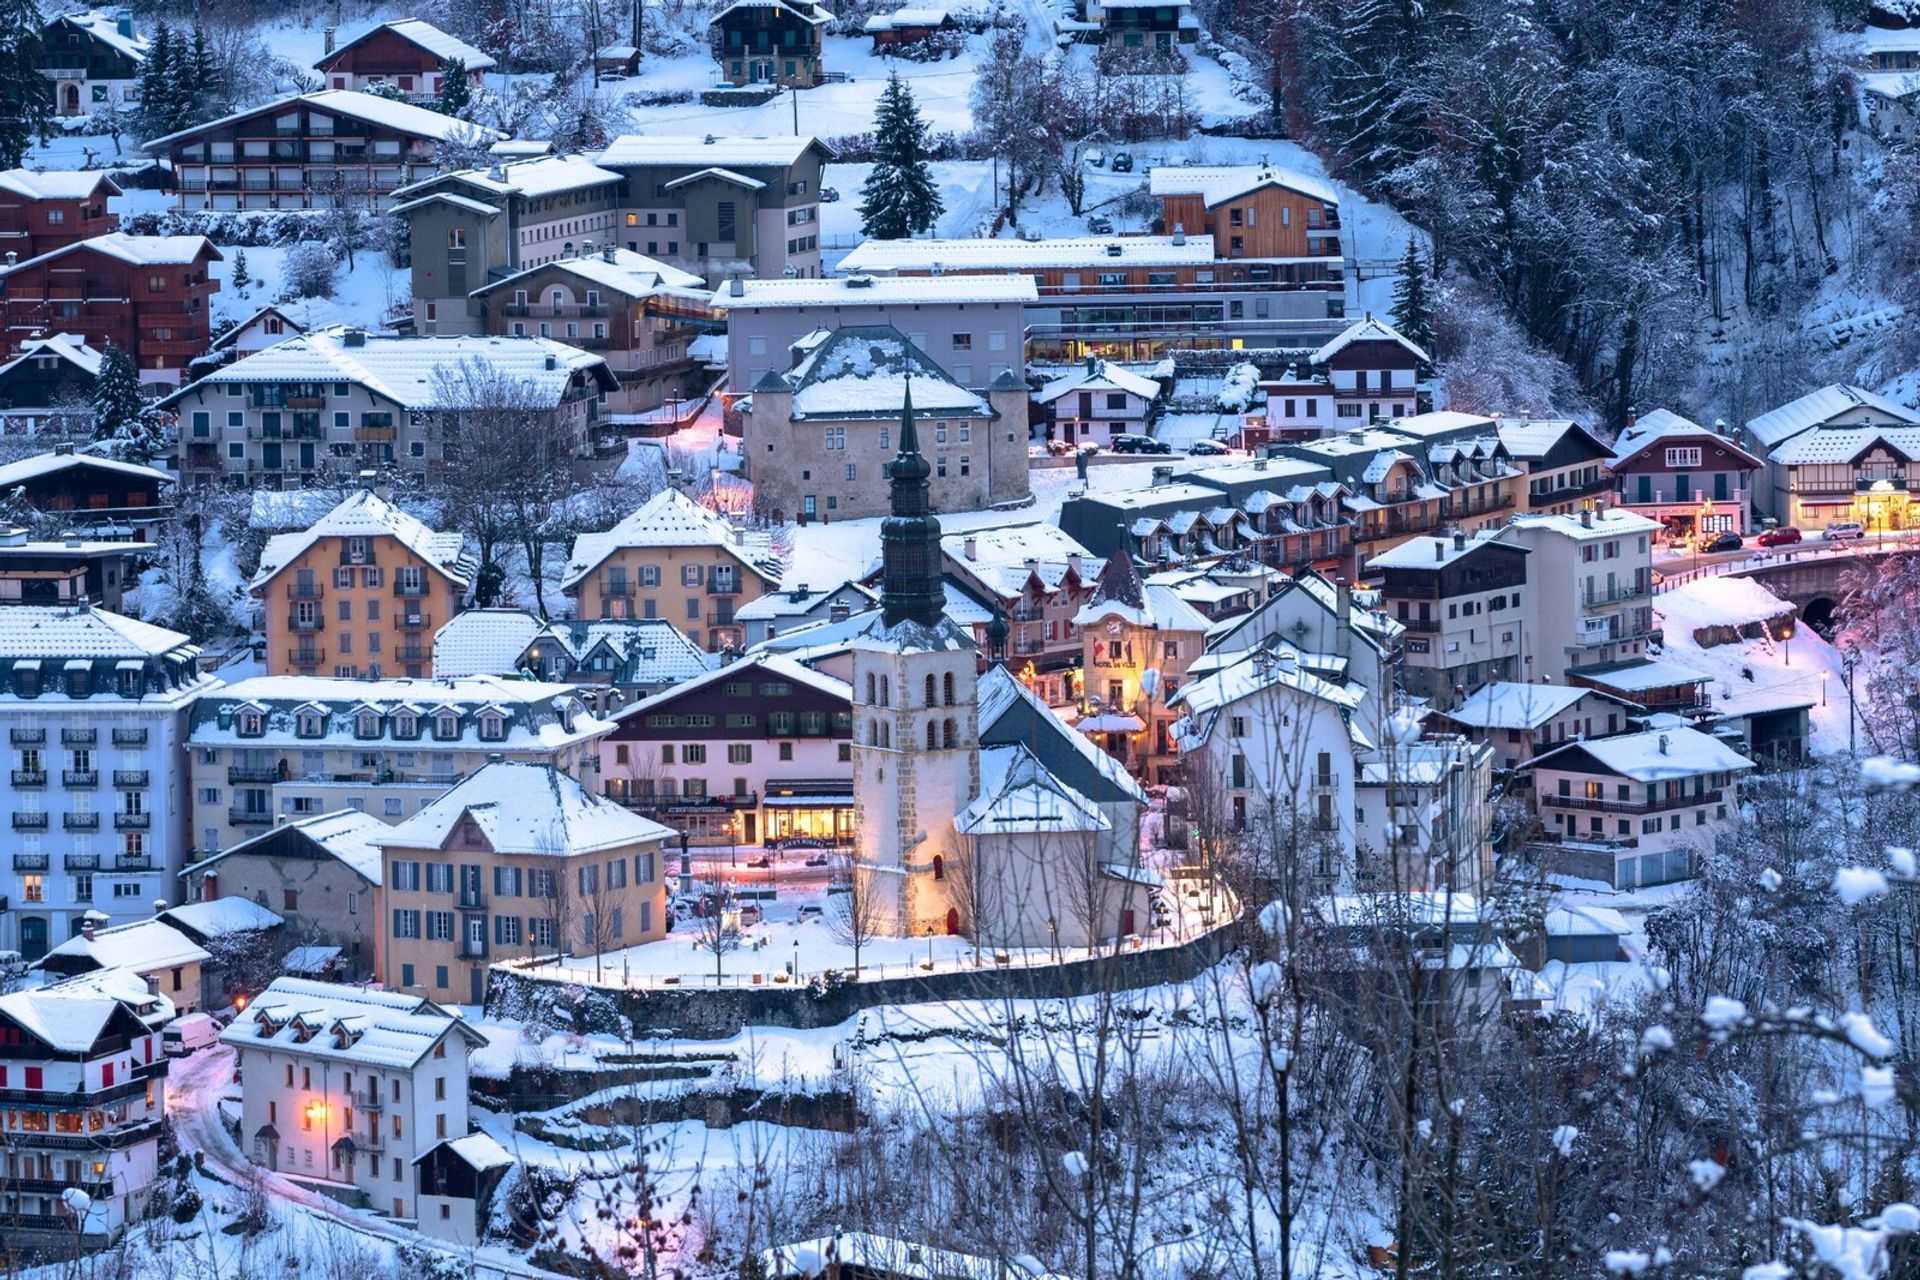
123 23
1439 550
971 547
1586 517
1459 540
1663 744
327 38
86 926
210 887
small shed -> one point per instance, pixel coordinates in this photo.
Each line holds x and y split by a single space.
457 1179
1585 935
617 60
907 27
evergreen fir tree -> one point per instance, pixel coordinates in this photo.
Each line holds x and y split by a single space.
899 198
180 87
1413 300
241 277
456 95
26 102
156 82
205 77
116 393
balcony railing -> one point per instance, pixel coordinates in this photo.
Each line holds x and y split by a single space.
472 950
405 589
250 817
129 737
80 821
413 620
133 862
79 737
303 590
130 777
80 779
297 623
29 777
26 737
306 657
124 821
1660 804
411 653
30 861
82 861
617 587
30 821
253 773
1614 594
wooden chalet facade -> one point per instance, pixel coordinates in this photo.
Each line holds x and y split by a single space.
90 492
414 57
769 42
148 295
92 61
41 212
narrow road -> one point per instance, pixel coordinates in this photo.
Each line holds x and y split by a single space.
195 1085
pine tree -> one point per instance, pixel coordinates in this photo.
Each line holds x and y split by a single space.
156 82
456 94
180 87
1413 300
116 393
241 277
25 101
899 198
205 77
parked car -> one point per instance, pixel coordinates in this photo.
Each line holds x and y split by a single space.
1207 449
1728 541
1059 448
760 862
1096 158
828 195
1785 536
809 911
1100 225
819 860
1140 444
1123 162
1844 531
190 1034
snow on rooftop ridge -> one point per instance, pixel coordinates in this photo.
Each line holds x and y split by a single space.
218 917
143 946
533 177
424 35
1028 255
525 808
138 251
863 371
1820 406
1608 522
356 1024
1368 329
1513 705
403 117
1214 183
864 290
47 631
346 834
668 519
66 346
68 1018
1654 755
1019 795
365 514
105 27
1104 373
55 184
705 150
634 275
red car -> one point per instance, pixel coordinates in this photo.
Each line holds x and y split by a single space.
1785 536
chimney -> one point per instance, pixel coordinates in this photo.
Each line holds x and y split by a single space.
736 289
86 926
1163 474
159 906
1663 744
1633 415
1075 563
1439 550
971 547
210 887
1719 426
1459 540
606 254
494 757
354 338
552 362
1179 233
1031 565
123 23
327 38
1586 517
1093 364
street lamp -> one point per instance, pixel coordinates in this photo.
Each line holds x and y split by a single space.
1788 640
1823 688
796 960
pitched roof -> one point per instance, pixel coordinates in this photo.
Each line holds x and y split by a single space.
62 346
1029 255
402 117
143 946
668 519
877 291
70 1017
1104 373
715 172
806 10
1368 329
1220 182
1844 444
1776 426
1653 756
1437 552
138 251
532 178
1011 713
345 1023
775 665
1019 796
1513 705
344 834
863 371
220 917
423 35
1609 522
413 372
477 1151
1664 424
633 275
526 809
46 631
105 27
494 641
303 314
365 514
56 184
701 151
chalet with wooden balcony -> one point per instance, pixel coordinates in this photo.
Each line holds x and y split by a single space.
1464 602
1258 214
41 212
93 60
769 42
95 497
912 30
1368 374
1564 463
411 56
310 151
338 401
148 295
1696 480
67 571
640 313
367 581
1159 26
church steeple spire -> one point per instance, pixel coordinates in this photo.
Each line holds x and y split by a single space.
911 586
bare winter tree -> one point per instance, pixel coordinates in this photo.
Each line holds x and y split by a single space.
716 928
855 914
974 884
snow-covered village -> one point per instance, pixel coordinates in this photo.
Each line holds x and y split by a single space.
1035 640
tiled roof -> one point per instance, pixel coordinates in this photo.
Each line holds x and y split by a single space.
364 514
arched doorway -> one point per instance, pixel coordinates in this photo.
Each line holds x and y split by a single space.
953 922
70 100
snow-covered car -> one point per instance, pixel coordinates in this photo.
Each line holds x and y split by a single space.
1096 158
1100 225
828 195
809 911
1844 531
1207 449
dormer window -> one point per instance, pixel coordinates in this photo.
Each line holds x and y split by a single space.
406 725
493 726
446 726
310 724
251 724
367 724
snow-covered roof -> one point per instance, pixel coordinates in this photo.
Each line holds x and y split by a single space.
906 18
1437 552
69 1017
1641 675
775 666
1581 921
798 601
1844 444
344 1023
345 834
71 348
302 315
668 519
999 692
1609 522
477 1150
887 1256
47 631
105 27
526 809
532 178
1653 756
1775 427
136 251
1104 375
1217 183
484 642
630 274
281 510
453 198
416 373
717 173
143 946
310 960
1512 705
423 35
864 370
806 10
222 916
56 184
401 117
1890 40
1367 329
1260 672
1018 795
1663 424
365 514
1010 546
705 150
878 291
536 712
1029 255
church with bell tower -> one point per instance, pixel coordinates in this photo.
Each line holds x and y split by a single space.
916 750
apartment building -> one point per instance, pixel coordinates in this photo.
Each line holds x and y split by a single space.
319 409
1694 480
1130 298
1465 605
974 326
41 212
95 708
517 860
1564 463
85 1084
1137 641
1521 721
320 874
756 752
1038 578
816 437
1421 813
671 559
721 206
1097 402
1636 809
769 42
93 61
410 56
151 296
1592 589
360 592
345 1084
639 312
311 151
297 746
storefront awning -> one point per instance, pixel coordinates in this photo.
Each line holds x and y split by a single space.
839 800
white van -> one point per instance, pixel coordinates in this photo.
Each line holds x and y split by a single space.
1844 530
190 1034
